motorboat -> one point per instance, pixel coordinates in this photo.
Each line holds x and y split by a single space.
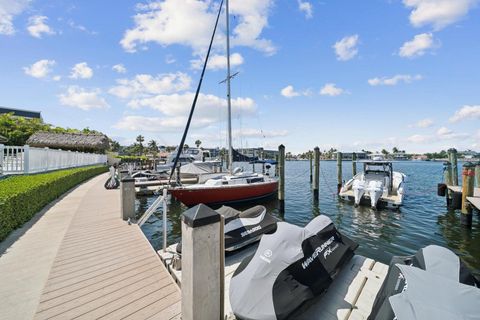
228 188
378 184
243 228
434 283
289 267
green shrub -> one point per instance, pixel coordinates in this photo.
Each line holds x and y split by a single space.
23 196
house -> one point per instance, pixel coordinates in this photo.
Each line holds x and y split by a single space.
22 113
349 155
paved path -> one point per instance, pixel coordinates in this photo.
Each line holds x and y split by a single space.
80 260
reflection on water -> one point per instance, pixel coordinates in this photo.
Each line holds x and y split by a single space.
423 220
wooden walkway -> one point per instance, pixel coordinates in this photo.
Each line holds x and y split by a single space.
103 268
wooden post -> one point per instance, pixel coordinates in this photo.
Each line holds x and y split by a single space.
339 171
477 174
447 177
253 163
453 160
276 166
310 158
281 173
202 264
127 194
122 174
164 216
354 164
468 176
316 176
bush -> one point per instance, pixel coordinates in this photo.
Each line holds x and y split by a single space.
23 196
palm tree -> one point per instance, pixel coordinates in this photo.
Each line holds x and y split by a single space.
140 139
153 147
395 150
198 143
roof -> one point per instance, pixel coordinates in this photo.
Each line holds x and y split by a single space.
21 113
3 139
72 141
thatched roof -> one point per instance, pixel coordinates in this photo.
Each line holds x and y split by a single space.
69 141
3 139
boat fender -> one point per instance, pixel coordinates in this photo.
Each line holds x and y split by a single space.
456 203
441 189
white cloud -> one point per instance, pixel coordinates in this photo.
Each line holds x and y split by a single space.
330 89
418 138
346 48
447 134
83 99
384 81
37 26
81 71
8 10
143 85
418 46
306 7
80 27
424 123
466 112
57 78
158 124
169 59
119 68
438 13
40 69
217 62
257 133
190 23
289 92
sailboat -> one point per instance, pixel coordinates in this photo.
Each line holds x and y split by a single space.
236 186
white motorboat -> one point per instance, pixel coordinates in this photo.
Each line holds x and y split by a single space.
377 184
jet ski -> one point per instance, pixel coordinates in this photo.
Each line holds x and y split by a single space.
437 262
244 227
289 267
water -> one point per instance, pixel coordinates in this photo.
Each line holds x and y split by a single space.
423 220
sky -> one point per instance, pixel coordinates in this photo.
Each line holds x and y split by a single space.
346 74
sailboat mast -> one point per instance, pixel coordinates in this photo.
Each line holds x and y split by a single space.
229 102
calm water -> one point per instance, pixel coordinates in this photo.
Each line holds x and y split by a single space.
423 220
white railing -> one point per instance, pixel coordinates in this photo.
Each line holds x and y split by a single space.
25 159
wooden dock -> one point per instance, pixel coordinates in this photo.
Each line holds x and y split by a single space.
101 266
474 201
350 296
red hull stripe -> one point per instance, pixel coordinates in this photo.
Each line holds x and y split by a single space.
231 193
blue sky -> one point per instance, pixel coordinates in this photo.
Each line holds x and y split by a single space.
348 74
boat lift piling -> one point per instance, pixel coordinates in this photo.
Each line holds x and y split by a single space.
468 176
447 177
311 166
281 180
339 171
452 156
316 180
127 194
354 164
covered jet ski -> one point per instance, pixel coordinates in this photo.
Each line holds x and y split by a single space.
289 267
244 227
432 263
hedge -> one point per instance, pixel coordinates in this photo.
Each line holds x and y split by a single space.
23 196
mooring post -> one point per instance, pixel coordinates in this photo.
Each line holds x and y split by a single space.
276 166
354 164
477 174
339 171
281 173
310 156
253 162
164 216
468 176
316 176
447 177
453 160
127 194
122 174
202 264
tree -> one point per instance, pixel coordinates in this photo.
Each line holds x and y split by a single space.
385 152
395 150
139 146
153 147
198 143
115 146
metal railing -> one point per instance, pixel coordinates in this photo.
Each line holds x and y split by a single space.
25 159
159 201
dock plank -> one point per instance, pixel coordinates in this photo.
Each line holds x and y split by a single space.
475 201
105 268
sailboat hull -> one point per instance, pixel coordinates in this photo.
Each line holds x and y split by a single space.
224 194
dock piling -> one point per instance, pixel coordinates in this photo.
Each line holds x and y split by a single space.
202 264
339 171
311 166
354 164
127 194
453 160
447 177
477 174
281 173
316 177
468 176
164 216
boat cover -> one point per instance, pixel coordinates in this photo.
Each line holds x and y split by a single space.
290 266
434 260
196 168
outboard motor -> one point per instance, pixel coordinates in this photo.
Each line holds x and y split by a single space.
289 267
433 259
358 191
375 191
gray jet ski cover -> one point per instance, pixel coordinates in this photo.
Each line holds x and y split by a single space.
290 266
433 259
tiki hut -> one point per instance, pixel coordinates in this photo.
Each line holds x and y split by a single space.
97 143
3 139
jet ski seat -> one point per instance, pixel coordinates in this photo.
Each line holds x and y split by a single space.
252 212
